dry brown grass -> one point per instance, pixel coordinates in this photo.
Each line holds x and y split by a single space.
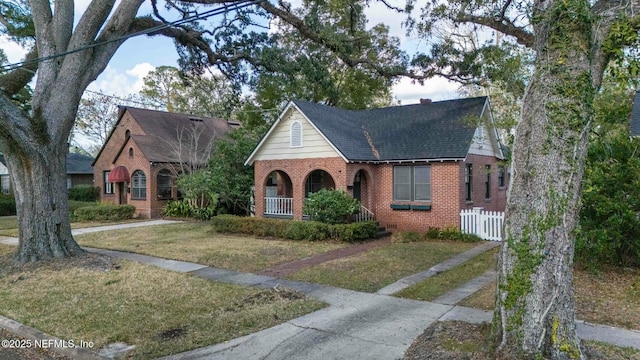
382 266
98 299
610 298
196 242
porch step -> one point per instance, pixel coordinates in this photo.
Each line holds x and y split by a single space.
382 232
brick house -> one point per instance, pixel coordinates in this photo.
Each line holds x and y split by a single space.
79 172
145 152
412 167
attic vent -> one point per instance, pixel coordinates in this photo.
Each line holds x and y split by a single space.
296 134
195 119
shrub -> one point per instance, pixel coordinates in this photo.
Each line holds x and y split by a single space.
186 208
102 212
85 193
294 230
331 206
448 233
7 205
75 205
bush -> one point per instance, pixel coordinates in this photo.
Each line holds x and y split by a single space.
331 206
186 208
448 233
294 230
85 193
7 205
102 212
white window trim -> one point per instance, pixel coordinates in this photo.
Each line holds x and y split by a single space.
291 144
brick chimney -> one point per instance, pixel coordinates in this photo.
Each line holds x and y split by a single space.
425 101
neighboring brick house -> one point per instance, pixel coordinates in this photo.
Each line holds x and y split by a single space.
79 172
146 150
413 166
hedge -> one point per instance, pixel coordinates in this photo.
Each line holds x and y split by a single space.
7 205
449 233
103 212
294 230
84 193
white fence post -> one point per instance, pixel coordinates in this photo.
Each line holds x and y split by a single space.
485 224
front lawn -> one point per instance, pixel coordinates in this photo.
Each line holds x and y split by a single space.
102 300
9 224
196 242
380 267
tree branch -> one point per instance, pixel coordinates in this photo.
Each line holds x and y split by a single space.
62 23
499 24
12 82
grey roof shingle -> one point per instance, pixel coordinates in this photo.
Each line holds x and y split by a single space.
634 125
438 130
79 164
162 132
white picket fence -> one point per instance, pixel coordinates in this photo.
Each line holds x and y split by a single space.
485 224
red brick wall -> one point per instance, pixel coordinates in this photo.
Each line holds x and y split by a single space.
445 199
447 189
297 170
498 195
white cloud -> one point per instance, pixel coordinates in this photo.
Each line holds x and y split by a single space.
435 89
139 72
115 82
15 53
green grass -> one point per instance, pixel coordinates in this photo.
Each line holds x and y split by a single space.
133 303
444 282
196 242
9 224
378 268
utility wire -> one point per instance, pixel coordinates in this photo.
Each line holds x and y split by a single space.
202 16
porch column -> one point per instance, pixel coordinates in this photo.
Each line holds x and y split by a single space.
298 198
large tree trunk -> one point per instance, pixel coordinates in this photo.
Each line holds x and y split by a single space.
535 307
39 179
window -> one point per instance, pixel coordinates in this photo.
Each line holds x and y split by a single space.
468 181
487 182
296 134
501 178
412 183
164 184
108 186
130 153
5 184
138 185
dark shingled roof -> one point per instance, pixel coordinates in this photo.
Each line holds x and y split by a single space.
163 129
634 125
79 164
438 130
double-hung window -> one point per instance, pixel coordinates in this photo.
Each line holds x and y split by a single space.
412 183
139 185
108 186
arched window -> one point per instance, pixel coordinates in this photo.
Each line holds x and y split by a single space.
164 184
138 185
296 134
127 134
130 153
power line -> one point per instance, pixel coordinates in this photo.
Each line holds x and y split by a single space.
202 16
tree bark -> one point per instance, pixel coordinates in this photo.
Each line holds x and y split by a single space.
39 180
535 307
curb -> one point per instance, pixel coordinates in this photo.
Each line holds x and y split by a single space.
76 353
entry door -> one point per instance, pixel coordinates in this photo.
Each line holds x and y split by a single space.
357 187
122 191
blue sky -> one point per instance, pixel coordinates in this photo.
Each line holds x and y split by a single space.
137 56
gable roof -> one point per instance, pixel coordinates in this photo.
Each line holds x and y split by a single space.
437 130
634 125
79 164
166 132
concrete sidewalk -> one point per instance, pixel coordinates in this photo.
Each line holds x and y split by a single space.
14 240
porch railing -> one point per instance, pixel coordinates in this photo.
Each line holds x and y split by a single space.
278 206
364 215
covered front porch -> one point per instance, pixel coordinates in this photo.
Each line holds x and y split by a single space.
280 202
